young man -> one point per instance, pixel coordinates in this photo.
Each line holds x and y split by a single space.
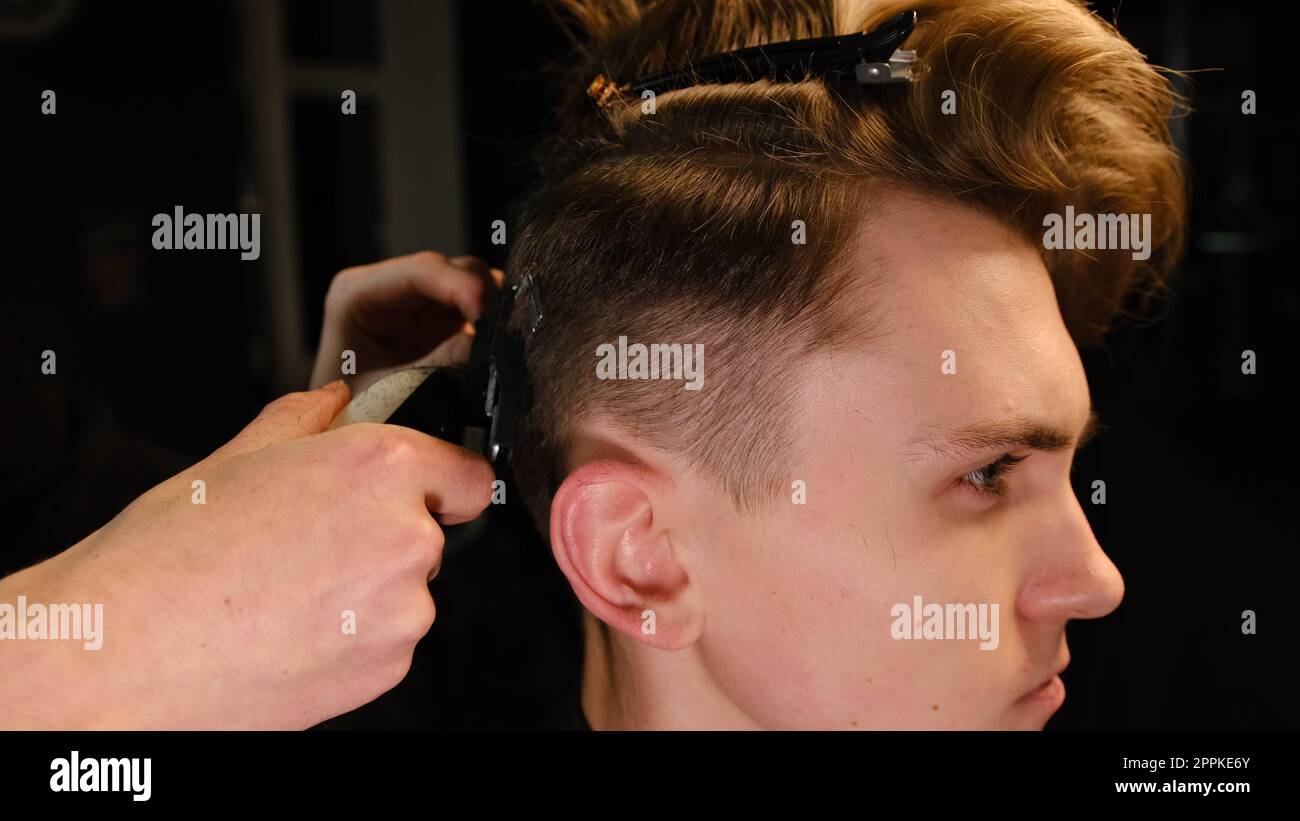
837 493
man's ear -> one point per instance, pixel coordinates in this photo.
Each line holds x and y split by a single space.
611 539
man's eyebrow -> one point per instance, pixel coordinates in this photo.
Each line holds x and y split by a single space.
1090 430
1006 435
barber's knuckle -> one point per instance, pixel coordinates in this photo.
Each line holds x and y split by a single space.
424 614
340 287
415 619
430 259
421 542
402 454
434 537
397 670
380 450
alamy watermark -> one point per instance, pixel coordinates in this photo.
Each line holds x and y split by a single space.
77 774
66 622
654 361
946 621
210 232
1098 232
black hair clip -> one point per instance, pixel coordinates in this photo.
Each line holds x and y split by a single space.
874 58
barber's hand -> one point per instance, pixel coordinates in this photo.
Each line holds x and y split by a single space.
401 312
238 612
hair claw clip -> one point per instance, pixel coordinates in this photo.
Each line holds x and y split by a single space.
872 57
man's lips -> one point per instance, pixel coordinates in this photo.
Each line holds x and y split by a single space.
1050 688
1047 680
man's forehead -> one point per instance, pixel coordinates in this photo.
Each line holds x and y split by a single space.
969 343
932 265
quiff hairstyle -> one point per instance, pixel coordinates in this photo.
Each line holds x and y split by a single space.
676 225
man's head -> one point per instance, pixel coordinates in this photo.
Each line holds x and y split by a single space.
891 393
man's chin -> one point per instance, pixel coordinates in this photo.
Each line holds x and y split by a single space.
1032 710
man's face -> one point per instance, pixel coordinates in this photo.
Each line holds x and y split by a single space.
969 366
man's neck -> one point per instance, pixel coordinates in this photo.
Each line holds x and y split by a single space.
629 686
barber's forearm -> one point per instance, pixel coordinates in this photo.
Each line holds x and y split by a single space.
45 681
94 680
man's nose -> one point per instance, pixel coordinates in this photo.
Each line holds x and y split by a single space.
1071 577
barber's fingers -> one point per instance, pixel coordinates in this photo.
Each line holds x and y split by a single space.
456 484
474 265
463 282
494 275
488 284
292 416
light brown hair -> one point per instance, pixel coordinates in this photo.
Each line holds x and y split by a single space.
675 226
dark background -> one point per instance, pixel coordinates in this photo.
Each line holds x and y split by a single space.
162 356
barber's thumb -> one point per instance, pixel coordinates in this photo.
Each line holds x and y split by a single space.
292 416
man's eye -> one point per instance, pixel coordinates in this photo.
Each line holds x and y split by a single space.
990 480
